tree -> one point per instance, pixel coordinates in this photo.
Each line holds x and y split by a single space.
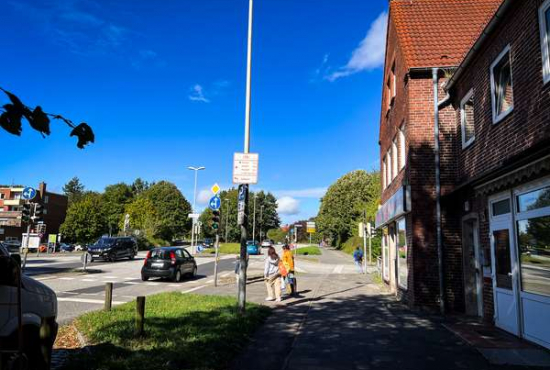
73 189
143 218
171 208
139 186
115 199
277 235
343 205
206 219
85 220
13 114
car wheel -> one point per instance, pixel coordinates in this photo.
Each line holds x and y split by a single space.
144 278
112 257
194 275
132 255
177 276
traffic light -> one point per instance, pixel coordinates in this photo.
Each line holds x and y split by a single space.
38 211
215 220
26 213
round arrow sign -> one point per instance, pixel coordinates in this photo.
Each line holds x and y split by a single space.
215 203
28 193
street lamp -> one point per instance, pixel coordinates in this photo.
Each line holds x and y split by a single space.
196 169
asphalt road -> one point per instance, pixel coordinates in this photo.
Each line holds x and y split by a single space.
79 292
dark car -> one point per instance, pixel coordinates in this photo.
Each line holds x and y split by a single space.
168 262
113 248
66 247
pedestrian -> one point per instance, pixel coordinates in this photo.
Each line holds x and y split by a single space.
358 258
272 276
288 262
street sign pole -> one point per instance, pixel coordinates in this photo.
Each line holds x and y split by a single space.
217 246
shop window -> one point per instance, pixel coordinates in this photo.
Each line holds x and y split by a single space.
534 249
534 200
402 251
467 119
544 23
501 207
394 158
503 263
501 86
386 255
402 155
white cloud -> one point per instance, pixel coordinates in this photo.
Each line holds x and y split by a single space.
203 197
197 94
288 206
302 193
370 52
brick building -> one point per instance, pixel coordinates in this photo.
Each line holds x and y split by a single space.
11 205
487 254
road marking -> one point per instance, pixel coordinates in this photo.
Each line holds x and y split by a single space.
152 284
210 281
109 277
84 300
66 278
128 296
129 278
73 293
193 289
338 269
44 278
174 285
89 280
90 293
131 282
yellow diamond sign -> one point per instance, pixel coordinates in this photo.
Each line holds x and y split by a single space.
215 189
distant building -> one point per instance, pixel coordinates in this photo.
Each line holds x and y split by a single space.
11 206
486 251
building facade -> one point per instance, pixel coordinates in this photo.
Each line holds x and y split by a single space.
11 206
493 118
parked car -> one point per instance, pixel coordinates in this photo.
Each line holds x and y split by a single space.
39 305
208 243
267 243
168 262
113 248
13 246
252 247
80 247
63 247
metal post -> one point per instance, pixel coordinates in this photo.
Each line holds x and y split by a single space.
243 264
193 247
370 244
26 247
254 220
364 249
108 296
217 246
227 221
21 342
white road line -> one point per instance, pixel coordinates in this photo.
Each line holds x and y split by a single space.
109 277
73 293
210 281
129 278
90 293
338 269
84 300
131 282
193 289
174 285
89 280
66 278
152 284
128 296
44 278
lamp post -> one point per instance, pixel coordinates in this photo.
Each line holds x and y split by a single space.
254 220
196 169
226 220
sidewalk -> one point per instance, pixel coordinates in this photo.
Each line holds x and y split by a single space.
345 321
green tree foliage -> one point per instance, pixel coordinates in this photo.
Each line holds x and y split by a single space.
277 235
85 220
115 199
343 205
172 210
139 186
143 218
74 189
206 219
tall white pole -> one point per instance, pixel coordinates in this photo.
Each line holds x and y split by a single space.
193 247
254 220
241 297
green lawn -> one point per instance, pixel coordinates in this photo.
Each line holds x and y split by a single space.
225 248
312 250
182 331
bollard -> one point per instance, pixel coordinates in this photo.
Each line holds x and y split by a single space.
140 316
108 296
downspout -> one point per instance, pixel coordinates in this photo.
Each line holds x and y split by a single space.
437 106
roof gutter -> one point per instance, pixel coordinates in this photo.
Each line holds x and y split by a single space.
506 4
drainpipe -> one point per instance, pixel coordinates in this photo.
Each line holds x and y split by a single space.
437 107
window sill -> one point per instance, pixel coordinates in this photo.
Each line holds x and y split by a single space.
500 117
466 145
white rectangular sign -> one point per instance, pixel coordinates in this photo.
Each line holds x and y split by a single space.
245 168
194 215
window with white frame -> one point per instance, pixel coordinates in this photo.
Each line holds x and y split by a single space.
467 119
46 199
544 24
402 252
388 166
402 155
394 158
502 95
384 171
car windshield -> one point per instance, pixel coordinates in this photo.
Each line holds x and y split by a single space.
105 241
160 254
250 242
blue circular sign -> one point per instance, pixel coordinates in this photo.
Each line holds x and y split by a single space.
28 193
215 203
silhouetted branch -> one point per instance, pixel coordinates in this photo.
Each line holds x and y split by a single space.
12 115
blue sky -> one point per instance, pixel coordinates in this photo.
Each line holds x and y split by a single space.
163 87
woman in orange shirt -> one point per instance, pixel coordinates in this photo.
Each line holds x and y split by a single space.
288 262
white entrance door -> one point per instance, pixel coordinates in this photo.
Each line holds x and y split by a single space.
504 266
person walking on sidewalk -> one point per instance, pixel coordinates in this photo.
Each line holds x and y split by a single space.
272 276
358 258
288 262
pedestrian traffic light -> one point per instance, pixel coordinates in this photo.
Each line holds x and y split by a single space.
26 213
215 220
38 211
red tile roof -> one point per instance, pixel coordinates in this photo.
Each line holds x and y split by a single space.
439 32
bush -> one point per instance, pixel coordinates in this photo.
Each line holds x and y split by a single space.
355 241
311 251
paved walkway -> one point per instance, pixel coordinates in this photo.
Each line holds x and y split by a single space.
345 321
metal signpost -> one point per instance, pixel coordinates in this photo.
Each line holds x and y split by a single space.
215 203
310 226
